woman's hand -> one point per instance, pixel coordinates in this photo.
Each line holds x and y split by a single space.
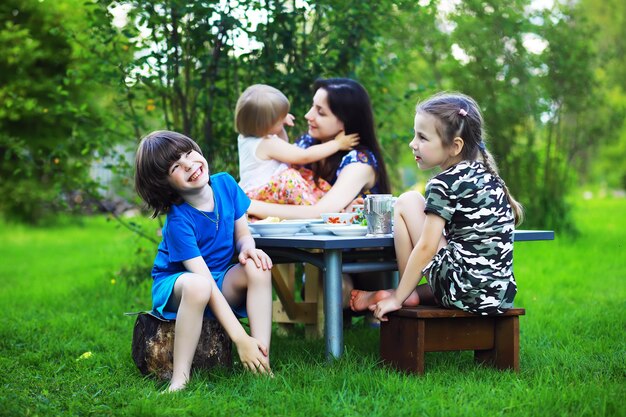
388 305
347 142
260 258
253 355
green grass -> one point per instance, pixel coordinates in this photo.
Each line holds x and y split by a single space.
60 302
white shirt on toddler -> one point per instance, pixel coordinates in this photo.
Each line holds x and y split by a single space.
255 172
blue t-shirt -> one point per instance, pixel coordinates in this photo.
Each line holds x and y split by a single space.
189 233
363 156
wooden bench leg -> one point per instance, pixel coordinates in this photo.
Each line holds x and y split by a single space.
284 283
402 344
314 293
286 310
505 353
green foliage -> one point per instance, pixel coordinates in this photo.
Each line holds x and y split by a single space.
138 270
190 68
148 232
524 94
533 101
609 19
50 115
70 92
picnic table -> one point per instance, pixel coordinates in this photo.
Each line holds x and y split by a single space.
335 255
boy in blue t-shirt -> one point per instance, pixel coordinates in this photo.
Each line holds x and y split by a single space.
193 275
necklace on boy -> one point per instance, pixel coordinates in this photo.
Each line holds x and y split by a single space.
217 216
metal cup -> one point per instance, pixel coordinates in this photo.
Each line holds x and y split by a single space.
378 210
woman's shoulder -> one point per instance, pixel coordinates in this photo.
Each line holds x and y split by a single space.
362 156
305 141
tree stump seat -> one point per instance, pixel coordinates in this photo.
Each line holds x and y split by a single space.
153 346
410 332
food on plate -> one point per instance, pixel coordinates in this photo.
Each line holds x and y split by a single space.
269 220
339 218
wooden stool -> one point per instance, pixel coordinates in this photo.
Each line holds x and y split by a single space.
412 331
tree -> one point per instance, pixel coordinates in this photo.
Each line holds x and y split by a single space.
531 100
190 67
606 165
48 110
85 85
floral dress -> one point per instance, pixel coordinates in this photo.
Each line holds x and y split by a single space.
296 185
291 186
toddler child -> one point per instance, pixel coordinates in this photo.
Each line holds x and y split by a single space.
265 152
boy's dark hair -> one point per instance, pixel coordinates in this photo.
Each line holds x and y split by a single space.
156 153
350 103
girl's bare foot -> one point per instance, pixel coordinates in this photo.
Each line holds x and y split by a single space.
412 301
361 300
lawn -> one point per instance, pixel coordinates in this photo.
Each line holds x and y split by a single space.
65 343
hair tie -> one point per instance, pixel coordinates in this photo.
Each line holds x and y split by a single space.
481 145
463 112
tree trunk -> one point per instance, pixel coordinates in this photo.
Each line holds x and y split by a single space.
153 346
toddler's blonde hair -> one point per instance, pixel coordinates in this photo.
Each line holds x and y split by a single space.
259 108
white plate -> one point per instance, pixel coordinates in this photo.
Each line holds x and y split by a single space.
303 220
350 230
277 229
319 229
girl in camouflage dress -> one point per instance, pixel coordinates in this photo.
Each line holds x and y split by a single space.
460 235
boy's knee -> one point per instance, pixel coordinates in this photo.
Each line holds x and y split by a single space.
197 288
258 275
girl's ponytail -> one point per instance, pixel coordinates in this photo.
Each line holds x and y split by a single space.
490 164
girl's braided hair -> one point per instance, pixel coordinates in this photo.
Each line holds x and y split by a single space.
458 115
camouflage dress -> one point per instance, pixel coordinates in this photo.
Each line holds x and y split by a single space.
474 271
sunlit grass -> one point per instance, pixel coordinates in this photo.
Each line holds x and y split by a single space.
62 299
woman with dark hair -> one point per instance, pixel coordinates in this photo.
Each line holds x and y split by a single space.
339 104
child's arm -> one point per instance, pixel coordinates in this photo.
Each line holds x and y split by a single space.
251 351
280 150
352 179
422 253
244 242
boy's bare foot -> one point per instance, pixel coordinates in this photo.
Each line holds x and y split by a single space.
176 387
361 300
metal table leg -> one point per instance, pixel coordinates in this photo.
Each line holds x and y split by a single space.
333 317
